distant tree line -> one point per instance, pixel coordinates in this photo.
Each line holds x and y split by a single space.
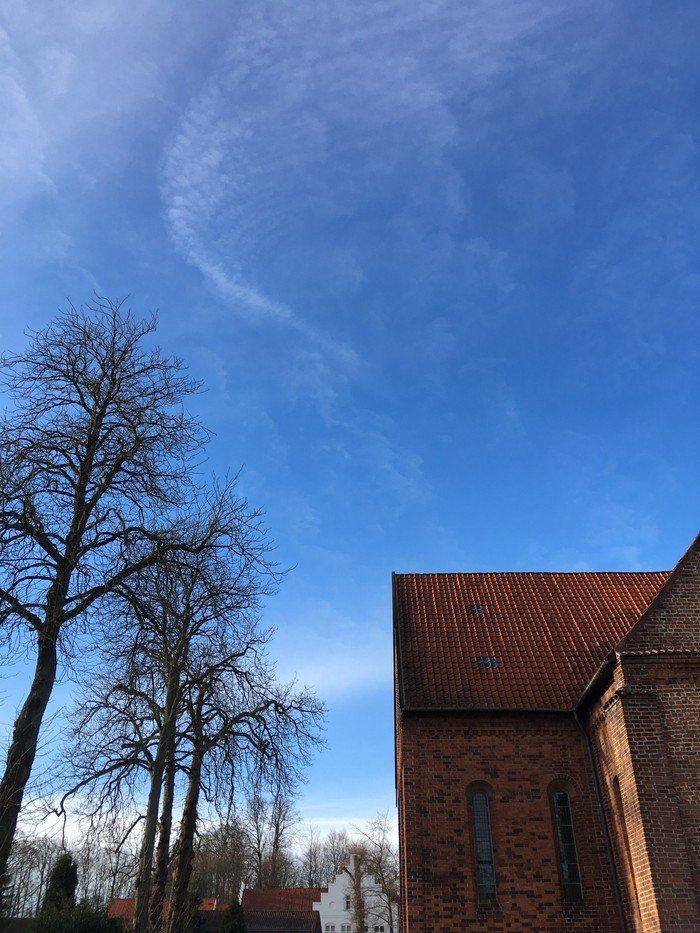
260 846
105 867
58 909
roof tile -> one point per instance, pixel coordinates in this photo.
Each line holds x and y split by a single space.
281 898
549 632
281 921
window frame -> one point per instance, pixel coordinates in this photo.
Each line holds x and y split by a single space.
568 895
477 789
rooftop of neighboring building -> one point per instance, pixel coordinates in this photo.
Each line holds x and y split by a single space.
270 919
281 898
123 907
281 921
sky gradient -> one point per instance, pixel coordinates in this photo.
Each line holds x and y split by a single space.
436 263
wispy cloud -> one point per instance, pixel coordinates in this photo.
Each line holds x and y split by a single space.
343 128
352 812
79 83
335 654
22 162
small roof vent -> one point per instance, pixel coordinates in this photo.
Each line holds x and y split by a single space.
476 609
487 662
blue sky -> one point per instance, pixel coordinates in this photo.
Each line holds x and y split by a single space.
437 264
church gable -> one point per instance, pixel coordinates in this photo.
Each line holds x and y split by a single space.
671 623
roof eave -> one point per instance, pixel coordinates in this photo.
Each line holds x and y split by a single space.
487 709
598 683
397 640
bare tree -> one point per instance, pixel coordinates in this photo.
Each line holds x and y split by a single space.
355 868
181 610
256 828
268 823
165 620
221 862
335 853
380 862
162 855
311 859
30 864
106 858
283 817
188 685
372 866
93 872
94 457
121 841
237 712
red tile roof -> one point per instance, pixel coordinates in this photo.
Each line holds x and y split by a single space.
548 632
281 898
121 907
124 906
282 921
212 903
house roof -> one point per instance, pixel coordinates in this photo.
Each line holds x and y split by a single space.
121 907
281 898
535 643
124 906
281 920
275 919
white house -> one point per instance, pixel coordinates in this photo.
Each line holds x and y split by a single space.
336 911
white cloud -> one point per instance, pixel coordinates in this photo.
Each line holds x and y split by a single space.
351 811
345 128
334 654
24 139
79 81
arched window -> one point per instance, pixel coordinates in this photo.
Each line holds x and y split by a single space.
483 843
566 844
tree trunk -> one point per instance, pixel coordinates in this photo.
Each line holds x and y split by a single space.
142 884
160 873
22 750
359 909
177 914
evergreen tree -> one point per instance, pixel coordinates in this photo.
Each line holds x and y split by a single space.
234 919
60 893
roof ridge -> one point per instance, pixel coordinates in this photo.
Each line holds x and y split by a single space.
530 573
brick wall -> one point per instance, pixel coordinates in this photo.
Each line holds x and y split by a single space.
672 622
645 735
519 755
608 729
646 732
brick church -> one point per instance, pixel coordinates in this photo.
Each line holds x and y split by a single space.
548 750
